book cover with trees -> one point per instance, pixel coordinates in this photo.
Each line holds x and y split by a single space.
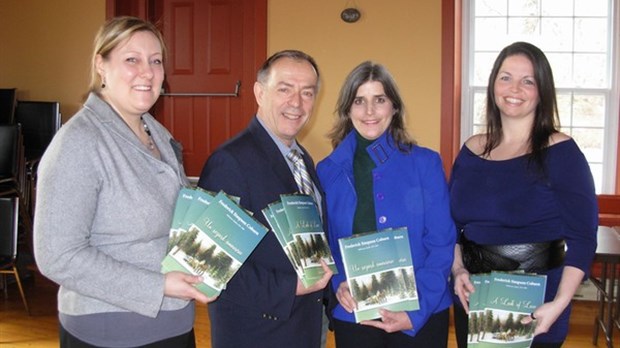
380 273
504 300
309 239
296 222
276 217
191 203
215 244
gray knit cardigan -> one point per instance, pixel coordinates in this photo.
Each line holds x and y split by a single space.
103 213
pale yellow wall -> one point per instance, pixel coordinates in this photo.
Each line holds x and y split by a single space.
403 35
45 48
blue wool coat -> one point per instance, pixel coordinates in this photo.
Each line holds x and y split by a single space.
410 190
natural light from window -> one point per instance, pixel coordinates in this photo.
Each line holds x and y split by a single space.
578 38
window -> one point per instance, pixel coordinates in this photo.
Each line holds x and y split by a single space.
581 40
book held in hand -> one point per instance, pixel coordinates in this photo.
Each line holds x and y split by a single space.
498 305
379 271
218 239
296 222
477 301
276 217
191 203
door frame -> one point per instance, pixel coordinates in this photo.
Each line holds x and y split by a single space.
256 44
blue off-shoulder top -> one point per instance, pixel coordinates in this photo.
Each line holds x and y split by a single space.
512 201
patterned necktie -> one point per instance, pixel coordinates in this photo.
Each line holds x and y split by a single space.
300 173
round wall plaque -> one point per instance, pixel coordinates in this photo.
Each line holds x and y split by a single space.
350 15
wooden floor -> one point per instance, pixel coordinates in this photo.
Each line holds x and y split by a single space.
17 329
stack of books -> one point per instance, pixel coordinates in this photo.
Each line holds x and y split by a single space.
297 224
210 236
379 270
498 305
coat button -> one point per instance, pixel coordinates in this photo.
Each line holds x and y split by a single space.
380 196
382 219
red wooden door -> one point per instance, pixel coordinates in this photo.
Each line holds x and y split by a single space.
214 50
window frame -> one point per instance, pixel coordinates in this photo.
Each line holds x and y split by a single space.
453 101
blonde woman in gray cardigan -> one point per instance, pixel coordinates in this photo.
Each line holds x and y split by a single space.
106 191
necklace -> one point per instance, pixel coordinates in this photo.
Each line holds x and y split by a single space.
151 144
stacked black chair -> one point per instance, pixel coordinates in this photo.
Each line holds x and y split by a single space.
39 120
12 161
7 105
13 175
9 211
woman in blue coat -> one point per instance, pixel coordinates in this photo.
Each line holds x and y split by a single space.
378 178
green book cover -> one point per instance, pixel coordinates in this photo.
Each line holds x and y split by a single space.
475 310
193 202
474 297
184 200
200 203
510 298
276 217
307 236
379 270
281 222
216 245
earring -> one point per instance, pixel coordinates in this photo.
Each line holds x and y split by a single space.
102 83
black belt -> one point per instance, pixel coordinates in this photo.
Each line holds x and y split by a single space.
530 257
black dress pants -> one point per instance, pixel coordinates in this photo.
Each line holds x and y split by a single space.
434 334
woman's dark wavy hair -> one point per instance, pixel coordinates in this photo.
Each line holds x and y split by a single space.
546 120
365 72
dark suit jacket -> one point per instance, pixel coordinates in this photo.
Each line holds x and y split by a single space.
259 307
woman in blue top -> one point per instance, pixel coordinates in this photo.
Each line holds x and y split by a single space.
378 178
527 185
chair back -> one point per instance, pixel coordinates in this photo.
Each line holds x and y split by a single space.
9 211
10 152
40 120
7 105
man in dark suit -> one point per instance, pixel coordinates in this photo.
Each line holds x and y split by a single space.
265 304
